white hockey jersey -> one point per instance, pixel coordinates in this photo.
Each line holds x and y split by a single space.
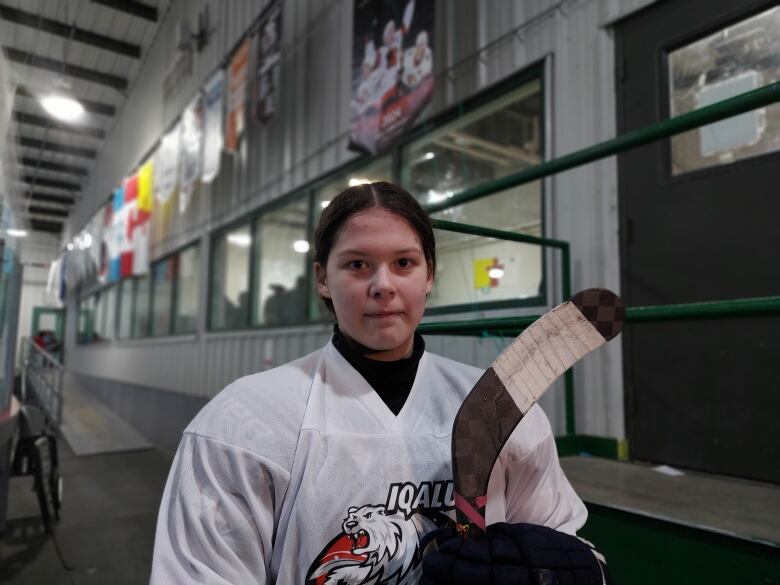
301 474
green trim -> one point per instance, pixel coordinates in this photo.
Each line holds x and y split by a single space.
641 550
606 447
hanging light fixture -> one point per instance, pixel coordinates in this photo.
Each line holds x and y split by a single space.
62 107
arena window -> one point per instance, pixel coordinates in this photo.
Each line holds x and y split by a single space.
231 253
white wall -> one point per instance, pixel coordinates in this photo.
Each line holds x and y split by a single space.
36 249
309 138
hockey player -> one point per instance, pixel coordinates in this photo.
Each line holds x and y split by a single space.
332 468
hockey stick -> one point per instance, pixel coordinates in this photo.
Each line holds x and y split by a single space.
515 381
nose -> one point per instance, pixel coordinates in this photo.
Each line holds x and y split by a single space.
382 283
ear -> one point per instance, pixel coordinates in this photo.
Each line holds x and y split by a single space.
429 283
321 278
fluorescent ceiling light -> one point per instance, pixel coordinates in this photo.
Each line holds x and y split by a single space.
69 246
241 240
324 204
14 233
355 181
301 246
429 155
62 107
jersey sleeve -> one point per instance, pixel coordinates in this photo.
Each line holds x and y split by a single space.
527 483
217 517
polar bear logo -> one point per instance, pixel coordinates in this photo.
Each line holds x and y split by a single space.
385 550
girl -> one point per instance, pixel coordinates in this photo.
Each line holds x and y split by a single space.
331 468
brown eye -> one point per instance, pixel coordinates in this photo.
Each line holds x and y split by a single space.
404 262
357 264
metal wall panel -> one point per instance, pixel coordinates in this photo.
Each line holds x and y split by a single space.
482 42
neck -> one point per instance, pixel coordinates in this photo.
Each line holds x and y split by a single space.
380 355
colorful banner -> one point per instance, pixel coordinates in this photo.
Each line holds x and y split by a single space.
140 221
191 150
117 235
106 242
213 102
265 82
392 70
236 98
167 165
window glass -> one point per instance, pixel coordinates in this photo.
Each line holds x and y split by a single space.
282 289
187 291
125 308
736 59
99 333
378 170
86 323
500 138
162 294
141 315
109 294
230 279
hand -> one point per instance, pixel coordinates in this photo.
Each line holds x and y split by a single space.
513 554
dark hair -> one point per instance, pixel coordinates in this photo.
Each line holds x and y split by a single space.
393 198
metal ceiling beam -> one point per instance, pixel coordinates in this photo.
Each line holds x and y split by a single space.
53 183
91 131
90 106
47 211
52 166
45 226
68 31
17 56
131 7
50 197
27 142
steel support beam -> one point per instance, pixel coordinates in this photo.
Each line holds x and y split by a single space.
51 166
131 7
69 31
27 142
32 119
17 56
50 198
53 183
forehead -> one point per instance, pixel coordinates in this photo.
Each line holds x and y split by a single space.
376 229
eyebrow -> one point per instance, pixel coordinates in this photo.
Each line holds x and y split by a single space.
356 252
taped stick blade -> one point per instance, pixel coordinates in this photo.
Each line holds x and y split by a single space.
516 380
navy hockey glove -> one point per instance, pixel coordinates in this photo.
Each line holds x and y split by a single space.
513 554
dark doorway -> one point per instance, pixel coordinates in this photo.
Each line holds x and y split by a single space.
700 218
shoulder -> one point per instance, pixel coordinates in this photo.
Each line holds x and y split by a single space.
457 375
262 412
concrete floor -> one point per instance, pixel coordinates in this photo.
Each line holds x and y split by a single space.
107 528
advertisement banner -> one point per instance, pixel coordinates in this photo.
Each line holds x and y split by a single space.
166 166
268 53
140 221
213 105
117 233
392 70
191 150
236 96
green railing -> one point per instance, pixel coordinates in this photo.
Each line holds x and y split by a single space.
511 326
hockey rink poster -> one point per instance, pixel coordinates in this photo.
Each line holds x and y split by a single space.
213 100
392 69
166 167
267 64
236 94
191 150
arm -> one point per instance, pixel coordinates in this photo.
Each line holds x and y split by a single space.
527 483
217 516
